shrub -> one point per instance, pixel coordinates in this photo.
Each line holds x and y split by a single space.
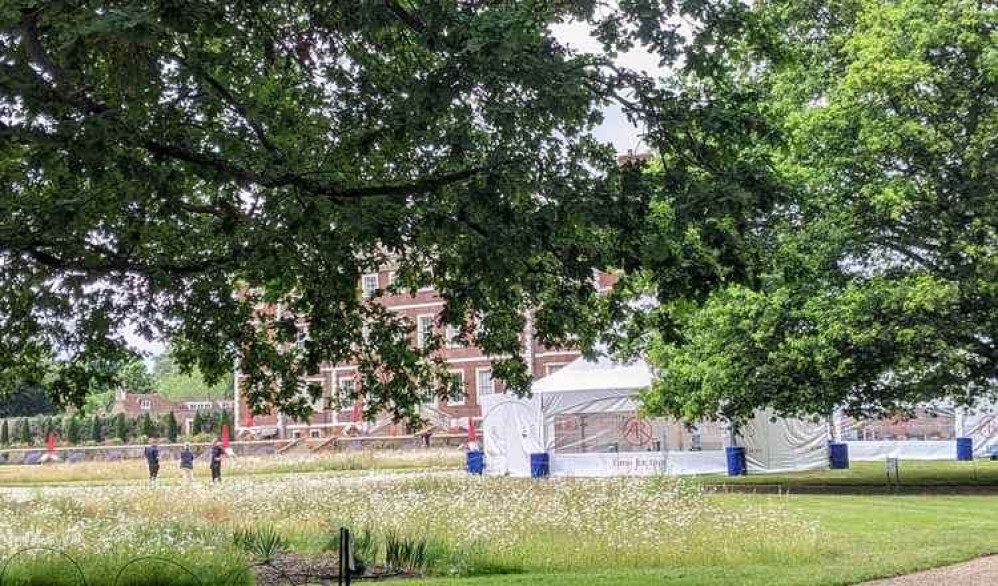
365 546
197 426
263 543
121 427
410 554
149 428
25 435
73 430
172 429
96 430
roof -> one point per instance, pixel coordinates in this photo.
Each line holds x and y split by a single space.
602 374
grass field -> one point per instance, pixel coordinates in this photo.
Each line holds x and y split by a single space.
982 473
132 470
488 531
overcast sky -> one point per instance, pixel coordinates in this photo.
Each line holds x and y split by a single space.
615 128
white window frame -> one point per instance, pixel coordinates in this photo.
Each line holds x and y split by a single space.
453 335
547 367
301 336
340 395
422 334
315 434
369 293
296 434
145 404
392 277
478 382
464 398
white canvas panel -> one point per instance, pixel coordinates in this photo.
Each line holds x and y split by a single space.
869 451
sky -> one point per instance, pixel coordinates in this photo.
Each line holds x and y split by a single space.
615 129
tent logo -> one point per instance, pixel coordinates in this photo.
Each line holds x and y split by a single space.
636 431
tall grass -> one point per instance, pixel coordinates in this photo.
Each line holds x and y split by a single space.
132 567
435 522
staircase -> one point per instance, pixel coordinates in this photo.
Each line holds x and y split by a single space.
434 418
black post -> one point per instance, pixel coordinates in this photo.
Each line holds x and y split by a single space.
346 565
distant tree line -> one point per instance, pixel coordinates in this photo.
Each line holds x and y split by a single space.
94 429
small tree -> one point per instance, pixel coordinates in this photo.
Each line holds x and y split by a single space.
121 427
149 429
197 428
73 430
172 429
4 433
25 431
96 430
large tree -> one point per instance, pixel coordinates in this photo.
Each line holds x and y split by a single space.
174 166
871 280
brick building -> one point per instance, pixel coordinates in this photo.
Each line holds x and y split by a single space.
138 404
468 363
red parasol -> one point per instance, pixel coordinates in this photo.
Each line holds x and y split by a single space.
472 433
225 436
50 442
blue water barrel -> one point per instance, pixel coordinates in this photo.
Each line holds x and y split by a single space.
540 465
838 455
964 449
736 461
476 462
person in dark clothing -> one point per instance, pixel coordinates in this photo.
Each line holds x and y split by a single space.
152 457
187 463
216 461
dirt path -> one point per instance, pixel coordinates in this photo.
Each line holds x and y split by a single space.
979 572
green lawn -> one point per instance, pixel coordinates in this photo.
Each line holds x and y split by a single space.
913 473
862 538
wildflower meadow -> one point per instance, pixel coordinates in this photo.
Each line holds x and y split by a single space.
469 529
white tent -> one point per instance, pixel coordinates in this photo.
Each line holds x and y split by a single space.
585 416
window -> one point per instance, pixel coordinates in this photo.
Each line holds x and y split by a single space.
145 404
315 434
392 277
484 383
453 337
553 368
346 387
296 434
369 283
424 330
458 389
301 336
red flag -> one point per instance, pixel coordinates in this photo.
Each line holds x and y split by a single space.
472 434
250 421
50 442
225 436
358 413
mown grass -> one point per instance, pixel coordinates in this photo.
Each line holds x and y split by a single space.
868 474
132 470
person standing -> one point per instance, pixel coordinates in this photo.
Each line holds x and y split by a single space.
216 461
187 463
152 458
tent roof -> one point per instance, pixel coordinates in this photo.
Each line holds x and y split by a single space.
601 374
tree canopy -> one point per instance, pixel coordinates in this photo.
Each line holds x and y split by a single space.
873 277
175 167
818 227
